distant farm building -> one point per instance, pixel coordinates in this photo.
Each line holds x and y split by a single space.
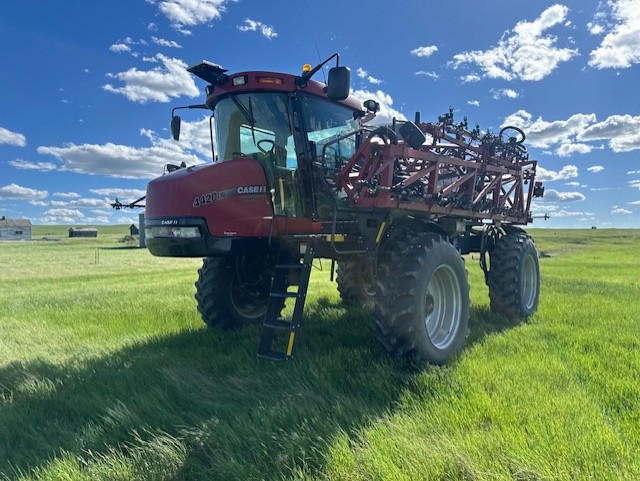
83 232
15 229
134 230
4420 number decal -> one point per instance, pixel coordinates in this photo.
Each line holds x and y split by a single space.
210 197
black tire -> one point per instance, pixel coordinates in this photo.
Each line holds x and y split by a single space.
357 281
233 291
422 298
514 276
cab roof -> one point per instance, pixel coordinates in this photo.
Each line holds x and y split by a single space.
253 81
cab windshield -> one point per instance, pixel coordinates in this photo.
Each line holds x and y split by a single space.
255 125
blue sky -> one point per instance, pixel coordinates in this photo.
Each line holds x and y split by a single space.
88 87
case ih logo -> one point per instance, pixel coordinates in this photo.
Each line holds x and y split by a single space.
210 197
252 189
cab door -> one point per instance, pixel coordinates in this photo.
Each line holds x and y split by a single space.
332 136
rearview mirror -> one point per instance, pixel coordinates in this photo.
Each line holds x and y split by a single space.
338 83
175 127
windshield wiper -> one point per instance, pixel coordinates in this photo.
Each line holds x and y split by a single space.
247 115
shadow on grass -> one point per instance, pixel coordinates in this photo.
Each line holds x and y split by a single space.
236 417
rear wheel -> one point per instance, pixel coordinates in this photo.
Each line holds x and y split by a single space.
422 298
357 281
233 291
514 276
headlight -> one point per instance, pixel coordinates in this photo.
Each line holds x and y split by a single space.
175 232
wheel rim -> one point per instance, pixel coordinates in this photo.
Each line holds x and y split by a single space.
248 287
250 305
443 307
529 282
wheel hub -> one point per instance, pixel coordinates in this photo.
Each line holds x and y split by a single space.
443 307
429 304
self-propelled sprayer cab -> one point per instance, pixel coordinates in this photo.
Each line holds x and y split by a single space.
269 128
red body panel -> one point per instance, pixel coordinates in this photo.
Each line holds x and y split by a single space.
236 202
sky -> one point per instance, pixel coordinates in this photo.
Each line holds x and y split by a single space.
87 89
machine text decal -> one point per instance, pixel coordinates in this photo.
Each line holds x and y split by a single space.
205 199
244 190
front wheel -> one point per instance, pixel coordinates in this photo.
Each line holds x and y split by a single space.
233 291
514 276
422 298
357 281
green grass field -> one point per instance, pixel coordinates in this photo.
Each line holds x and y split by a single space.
107 373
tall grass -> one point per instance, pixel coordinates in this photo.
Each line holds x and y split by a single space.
107 373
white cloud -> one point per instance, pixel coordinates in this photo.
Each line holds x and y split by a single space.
12 138
567 172
84 203
635 202
551 195
363 74
475 103
430 74
97 220
26 165
472 77
183 13
595 168
620 48
124 195
165 43
567 149
124 161
635 183
252 26
152 26
621 211
633 172
568 213
594 28
387 112
499 93
543 134
66 195
72 216
119 48
17 192
525 53
117 160
158 85
63 213
130 41
622 132
426 51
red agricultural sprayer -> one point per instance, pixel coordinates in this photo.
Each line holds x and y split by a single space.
300 174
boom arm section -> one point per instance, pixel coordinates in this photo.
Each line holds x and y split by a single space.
457 173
